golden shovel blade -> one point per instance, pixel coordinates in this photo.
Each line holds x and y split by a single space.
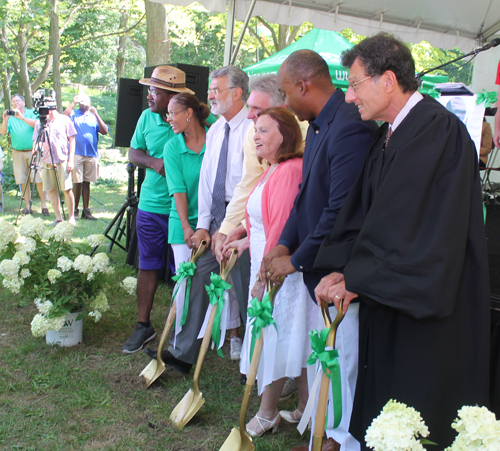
153 371
187 408
234 442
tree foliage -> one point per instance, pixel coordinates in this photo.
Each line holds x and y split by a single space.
101 40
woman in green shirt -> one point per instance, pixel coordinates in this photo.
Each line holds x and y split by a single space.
182 157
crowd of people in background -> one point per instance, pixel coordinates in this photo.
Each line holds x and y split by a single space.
384 222
59 154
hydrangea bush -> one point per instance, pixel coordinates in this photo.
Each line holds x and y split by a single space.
46 264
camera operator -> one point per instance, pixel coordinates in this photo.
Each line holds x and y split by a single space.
19 123
61 133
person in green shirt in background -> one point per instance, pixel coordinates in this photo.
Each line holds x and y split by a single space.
20 127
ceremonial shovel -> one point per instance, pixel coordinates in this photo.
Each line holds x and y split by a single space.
319 423
156 367
238 439
193 399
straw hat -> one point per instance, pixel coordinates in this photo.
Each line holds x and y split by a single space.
167 77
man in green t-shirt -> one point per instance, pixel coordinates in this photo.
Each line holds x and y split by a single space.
146 151
20 127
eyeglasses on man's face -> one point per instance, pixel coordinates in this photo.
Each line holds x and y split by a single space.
217 91
353 85
153 92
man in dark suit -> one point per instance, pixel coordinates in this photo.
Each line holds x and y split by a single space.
336 143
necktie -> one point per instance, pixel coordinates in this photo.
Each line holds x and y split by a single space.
218 209
387 137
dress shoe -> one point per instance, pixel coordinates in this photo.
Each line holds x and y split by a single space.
264 426
87 215
169 359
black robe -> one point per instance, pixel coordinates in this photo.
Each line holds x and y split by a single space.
410 241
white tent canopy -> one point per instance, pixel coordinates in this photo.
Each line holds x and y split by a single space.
443 23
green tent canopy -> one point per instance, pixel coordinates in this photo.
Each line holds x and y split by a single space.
330 46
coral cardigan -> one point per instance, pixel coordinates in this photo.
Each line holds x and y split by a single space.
278 197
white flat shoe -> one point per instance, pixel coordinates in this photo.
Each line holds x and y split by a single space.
292 417
272 424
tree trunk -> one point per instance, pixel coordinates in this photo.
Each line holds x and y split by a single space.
158 44
6 77
55 49
122 46
24 79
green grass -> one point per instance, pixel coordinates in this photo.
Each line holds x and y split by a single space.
90 397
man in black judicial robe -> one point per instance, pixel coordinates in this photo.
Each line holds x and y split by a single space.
409 245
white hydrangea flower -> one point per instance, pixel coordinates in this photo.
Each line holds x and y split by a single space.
64 263
100 262
396 428
100 303
43 307
39 325
30 226
26 244
21 258
63 231
477 429
96 240
25 273
91 276
8 234
83 263
53 275
129 284
57 323
13 284
96 314
9 269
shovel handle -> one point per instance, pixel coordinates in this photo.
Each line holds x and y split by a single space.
319 423
254 364
204 348
226 264
197 253
166 330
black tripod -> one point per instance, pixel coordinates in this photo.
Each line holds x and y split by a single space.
130 209
35 166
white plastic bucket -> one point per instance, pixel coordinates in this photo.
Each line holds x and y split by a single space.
69 335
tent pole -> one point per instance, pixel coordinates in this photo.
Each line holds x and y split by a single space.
228 46
245 25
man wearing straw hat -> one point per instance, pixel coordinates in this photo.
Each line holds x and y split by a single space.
146 151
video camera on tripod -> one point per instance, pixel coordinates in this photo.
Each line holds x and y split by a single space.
44 100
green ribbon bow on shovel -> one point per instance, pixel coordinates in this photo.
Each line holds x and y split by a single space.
215 293
488 97
329 360
262 316
186 271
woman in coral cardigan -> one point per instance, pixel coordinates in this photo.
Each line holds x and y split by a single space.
278 140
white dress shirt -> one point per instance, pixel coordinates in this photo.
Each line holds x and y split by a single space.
215 136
